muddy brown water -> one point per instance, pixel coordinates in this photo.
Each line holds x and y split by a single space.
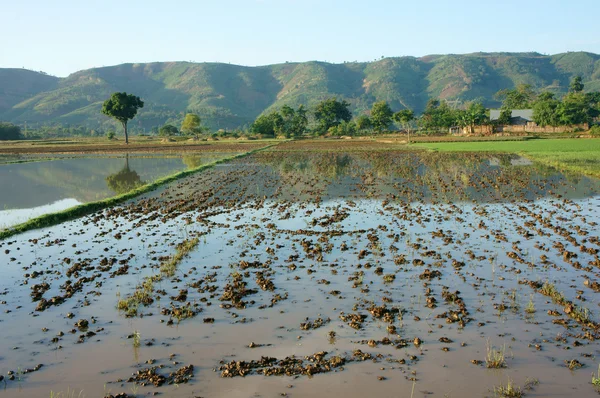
328 231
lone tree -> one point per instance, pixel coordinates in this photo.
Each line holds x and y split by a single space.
123 107
191 124
576 85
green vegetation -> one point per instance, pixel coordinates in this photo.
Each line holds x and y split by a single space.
87 208
381 116
405 117
576 107
169 267
192 125
530 309
494 358
574 155
519 97
330 113
438 116
9 131
122 107
136 338
596 378
142 294
512 391
286 122
168 130
67 394
509 390
230 97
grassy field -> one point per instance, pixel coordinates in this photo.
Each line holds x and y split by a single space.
576 155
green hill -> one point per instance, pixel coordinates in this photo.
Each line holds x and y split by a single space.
228 96
17 85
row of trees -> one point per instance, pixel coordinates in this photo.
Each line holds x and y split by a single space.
329 116
334 117
576 107
287 122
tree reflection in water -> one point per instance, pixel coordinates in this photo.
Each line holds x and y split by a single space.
124 180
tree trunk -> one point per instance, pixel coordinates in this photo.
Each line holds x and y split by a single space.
125 129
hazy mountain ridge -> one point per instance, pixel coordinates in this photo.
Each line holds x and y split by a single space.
230 96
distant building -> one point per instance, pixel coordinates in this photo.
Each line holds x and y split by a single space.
518 117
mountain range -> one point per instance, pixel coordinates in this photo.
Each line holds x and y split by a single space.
230 96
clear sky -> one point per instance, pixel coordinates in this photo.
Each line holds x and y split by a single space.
63 36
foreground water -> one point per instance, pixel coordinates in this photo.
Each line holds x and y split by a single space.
35 185
398 269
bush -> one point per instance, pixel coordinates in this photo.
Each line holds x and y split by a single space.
595 131
110 135
9 131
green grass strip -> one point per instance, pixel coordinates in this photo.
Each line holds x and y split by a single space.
50 219
576 155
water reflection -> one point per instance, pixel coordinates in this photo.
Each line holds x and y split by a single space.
124 180
421 176
37 185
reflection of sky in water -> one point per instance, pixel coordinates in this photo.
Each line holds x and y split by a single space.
16 216
84 178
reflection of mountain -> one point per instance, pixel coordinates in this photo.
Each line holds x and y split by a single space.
27 185
124 180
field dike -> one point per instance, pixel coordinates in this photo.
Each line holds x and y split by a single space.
51 219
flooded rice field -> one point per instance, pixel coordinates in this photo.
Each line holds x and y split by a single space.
391 274
35 184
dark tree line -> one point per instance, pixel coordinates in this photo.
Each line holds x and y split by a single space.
9 131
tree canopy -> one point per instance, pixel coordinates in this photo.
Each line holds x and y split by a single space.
404 117
576 85
168 130
287 122
474 115
363 122
331 112
437 116
381 116
519 97
191 124
122 107
9 131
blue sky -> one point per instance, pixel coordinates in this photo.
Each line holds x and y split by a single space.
64 36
